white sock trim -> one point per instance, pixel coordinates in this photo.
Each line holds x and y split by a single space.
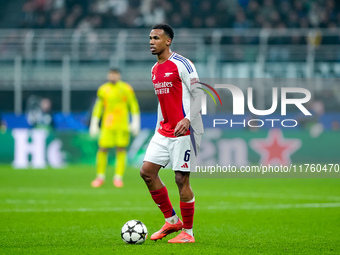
101 176
192 200
173 219
117 177
189 231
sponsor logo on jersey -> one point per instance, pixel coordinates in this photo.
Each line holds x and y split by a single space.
162 91
164 84
162 87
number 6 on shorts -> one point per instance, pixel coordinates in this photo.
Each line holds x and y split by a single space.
187 156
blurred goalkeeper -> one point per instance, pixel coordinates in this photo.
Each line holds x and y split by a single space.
115 100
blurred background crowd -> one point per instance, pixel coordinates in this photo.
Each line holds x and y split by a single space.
237 14
60 50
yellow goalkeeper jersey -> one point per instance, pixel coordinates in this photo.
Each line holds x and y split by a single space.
114 102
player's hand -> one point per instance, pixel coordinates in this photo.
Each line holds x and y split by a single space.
182 127
94 127
135 124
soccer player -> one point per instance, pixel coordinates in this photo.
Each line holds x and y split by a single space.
115 99
178 133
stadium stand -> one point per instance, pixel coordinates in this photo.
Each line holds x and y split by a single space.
61 49
241 14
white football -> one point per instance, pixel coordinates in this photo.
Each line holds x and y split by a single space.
134 232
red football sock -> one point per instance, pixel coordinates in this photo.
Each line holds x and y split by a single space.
161 198
187 211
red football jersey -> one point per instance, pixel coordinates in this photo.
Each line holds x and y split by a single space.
172 80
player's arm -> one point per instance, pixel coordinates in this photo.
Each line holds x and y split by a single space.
135 112
190 80
182 127
96 115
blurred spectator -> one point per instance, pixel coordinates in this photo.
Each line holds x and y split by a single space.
252 10
238 14
3 125
293 19
313 123
240 21
185 12
56 19
267 9
40 21
28 13
153 12
221 15
300 8
205 9
39 112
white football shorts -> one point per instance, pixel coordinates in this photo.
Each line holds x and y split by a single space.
179 151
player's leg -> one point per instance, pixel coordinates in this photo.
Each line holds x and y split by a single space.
122 139
101 162
121 158
159 194
157 155
104 143
149 173
183 160
187 206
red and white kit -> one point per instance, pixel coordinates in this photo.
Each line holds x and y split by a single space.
179 97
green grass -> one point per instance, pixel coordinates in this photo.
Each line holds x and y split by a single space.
57 212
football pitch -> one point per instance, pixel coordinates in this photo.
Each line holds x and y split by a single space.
57 212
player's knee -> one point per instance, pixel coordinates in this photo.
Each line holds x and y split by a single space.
181 179
103 149
146 175
120 149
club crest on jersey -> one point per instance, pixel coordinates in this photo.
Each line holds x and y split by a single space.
167 74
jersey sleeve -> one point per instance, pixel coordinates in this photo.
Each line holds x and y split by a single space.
98 106
132 100
190 79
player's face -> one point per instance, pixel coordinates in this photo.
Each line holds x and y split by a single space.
113 77
159 41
